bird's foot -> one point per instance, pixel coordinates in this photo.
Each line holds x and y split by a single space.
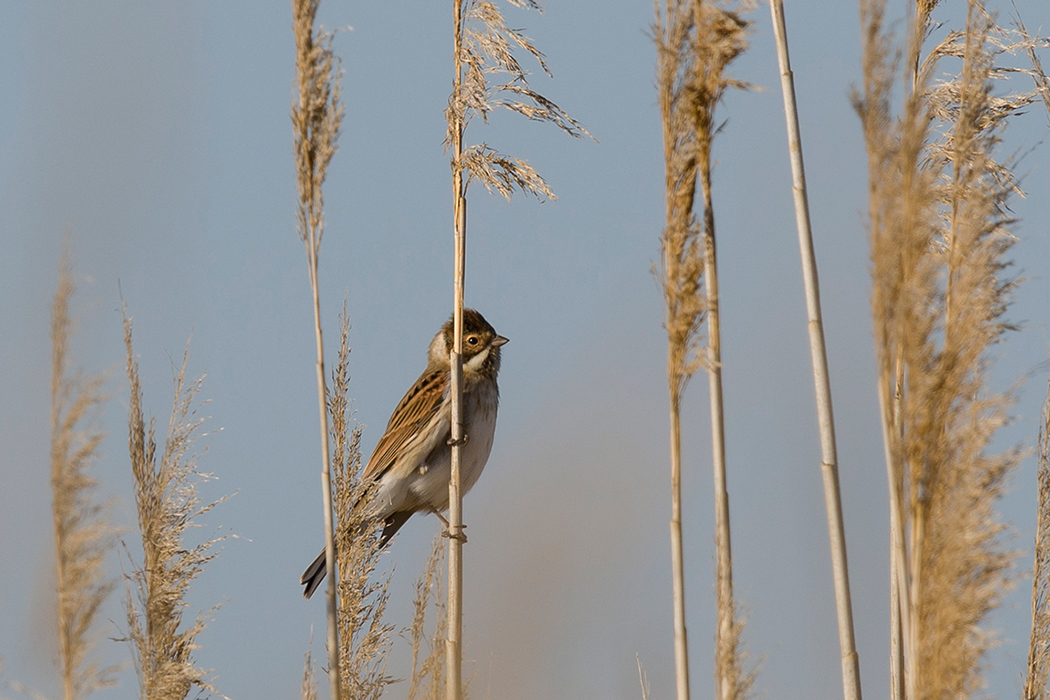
461 537
440 517
462 441
448 528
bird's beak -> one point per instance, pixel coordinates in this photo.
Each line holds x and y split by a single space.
499 340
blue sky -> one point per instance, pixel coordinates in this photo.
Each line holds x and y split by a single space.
158 135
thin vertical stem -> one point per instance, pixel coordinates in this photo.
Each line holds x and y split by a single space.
896 650
899 642
454 655
723 547
681 645
334 674
899 559
822 382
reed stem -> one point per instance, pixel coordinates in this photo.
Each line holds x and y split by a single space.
821 380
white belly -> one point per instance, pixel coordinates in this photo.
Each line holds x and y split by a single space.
426 486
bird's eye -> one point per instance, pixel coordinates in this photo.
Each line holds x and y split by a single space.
472 340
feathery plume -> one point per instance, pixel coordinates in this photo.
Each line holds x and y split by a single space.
167 503
364 636
317 118
696 41
427 681
940 233
83 535
1038 672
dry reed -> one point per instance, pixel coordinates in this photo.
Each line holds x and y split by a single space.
83 534
308 690
821 380
427 680
939 232
364 636
1029 44
488 76
316 120
696 42
167 504
1037 674
643 681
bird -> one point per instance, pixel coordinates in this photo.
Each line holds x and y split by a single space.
411 464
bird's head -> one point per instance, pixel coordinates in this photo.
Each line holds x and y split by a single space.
481 344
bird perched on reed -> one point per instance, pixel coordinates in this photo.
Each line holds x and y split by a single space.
411 464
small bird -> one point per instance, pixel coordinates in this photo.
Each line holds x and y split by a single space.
412 462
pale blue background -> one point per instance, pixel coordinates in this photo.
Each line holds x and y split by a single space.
158 133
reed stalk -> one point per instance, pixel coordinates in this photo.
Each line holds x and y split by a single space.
316 121
454 639
483 53
696 41
821 379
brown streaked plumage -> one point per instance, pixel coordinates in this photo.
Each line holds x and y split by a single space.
410 465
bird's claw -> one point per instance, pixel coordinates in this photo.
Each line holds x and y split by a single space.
448 528
462 441
461 536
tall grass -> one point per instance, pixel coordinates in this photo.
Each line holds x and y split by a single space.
83 534
168 504
487 76
696 42
940 236
427 679
308 689
821 380
316 120
365 638
1037 674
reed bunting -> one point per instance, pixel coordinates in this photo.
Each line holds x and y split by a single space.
411 464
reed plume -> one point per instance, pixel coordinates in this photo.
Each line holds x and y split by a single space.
365 639
940 235
489 77
168 504
308 690
696 42
83 534
317 117
427 680
1037 674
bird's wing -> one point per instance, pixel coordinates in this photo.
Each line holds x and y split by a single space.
419 424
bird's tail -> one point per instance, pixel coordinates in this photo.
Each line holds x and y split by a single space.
316 572
313 575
